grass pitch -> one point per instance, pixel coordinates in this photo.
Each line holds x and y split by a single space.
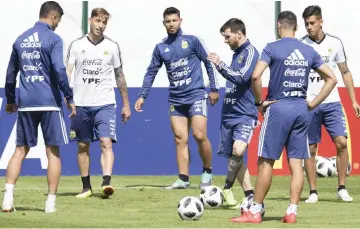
139 202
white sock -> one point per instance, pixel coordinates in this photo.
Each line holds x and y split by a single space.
9 188
292 209
255 208
9 192
51 200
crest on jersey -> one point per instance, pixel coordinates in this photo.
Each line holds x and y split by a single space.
72 134
330 50
184 44
106 53
241 58
83 52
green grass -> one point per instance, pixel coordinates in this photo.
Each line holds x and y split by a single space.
139 202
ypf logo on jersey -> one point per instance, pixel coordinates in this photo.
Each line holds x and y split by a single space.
31 42
296 59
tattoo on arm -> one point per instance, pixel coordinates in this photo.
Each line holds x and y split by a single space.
121 84
343 68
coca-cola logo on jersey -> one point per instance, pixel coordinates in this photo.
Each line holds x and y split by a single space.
96 62
295 72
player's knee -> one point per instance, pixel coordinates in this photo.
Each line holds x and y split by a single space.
199 136
313 150
181 138
20 153
106 144
83 147
239 148
341 143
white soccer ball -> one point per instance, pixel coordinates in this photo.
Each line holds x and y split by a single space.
324 167
246 204
212 196
348 169
190 208
333 162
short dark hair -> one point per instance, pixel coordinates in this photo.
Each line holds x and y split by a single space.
287 19
313 10
99 12
48 7
235 25
170 11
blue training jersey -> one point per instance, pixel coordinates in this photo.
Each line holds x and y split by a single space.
239 101
182 55
38 55
290 62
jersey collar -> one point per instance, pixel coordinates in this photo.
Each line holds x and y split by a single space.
101 40
318 42
40 23
242 47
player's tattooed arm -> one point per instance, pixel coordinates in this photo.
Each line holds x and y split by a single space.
344 68
121 84
349 84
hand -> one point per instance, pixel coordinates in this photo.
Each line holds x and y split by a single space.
11 108
357 109
125 113
265 104
214 97
71 107
139 103
214 58
310 104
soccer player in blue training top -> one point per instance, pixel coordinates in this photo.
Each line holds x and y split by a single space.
330 112
239 113
38 55
182 55
285 121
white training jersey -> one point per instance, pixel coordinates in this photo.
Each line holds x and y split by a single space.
93 83
332 52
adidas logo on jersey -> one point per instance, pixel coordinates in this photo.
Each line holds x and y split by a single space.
31 42
296 59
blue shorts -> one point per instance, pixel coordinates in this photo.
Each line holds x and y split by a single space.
200 107
52 125
332 116
285 124
92 123
231 132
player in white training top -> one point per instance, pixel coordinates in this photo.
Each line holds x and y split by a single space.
96 59
329 113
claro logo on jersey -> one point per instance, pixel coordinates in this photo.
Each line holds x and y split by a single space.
92 67
31 42
296 59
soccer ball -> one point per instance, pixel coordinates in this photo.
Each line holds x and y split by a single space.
348 169
246 204
333 162
324 167
212 197
190 208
